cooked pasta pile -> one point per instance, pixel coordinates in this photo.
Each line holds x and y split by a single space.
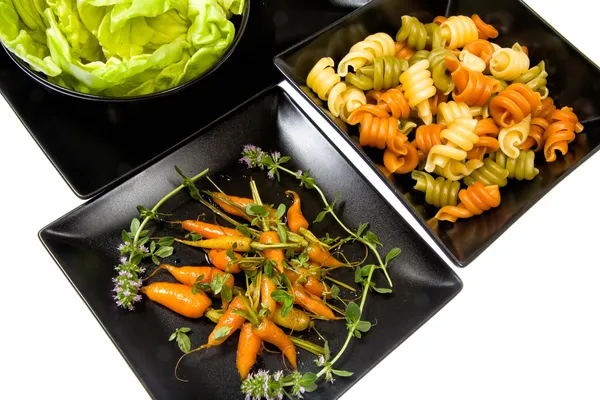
481 111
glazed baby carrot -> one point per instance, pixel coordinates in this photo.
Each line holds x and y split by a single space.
228 324
238 243
275 255
267 286
221 260
188 275
311 303
208 231
295 218
318 255
231 204
296 319
312 284
178 297
271 333
248 348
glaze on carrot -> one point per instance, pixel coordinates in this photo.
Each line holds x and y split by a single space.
296 319
312 284
208 231
295 218
248 348
178 297
321 257
271 333
229 320
188 275
221 260
267 286
311 303
275 255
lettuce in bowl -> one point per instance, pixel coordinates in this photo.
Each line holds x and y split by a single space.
119 48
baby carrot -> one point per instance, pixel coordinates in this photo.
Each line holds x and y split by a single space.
208 231
311 303
229 320
178 297
232 204
296 319
267 286
312 284
275 255
238 243
221 260
320 256
188 275
248 348
295 218
271 333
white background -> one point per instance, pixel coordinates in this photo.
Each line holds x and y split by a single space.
525 326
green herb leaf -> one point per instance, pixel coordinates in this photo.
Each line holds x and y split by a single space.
230 254
142 240
146 213
255 210
164 251
361 228
352 312
327 354
243 228
137 258
134 226
152 246
184 330
284 159
382 290
358 275
357 334
125 236
173 336
321 216
288 304
187 182
226 293
166 241
192 236
280 211
363 326
268 268
340 372
241 313
282 233
155 260
222 333
372 238
184 343
335 291
393 253
280 296
306 180
307 379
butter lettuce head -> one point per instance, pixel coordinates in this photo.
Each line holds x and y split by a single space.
118 47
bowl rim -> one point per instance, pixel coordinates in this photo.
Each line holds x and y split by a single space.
39 78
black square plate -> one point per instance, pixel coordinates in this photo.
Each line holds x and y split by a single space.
573 81
95 144
84 243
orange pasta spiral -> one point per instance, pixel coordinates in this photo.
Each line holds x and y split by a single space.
486 31
535 140
394 102
546 109
474 200
513 104
373 96
470 87
403 51
401 159
436 100
377 128
561 132
426 137
440 19
482 49
487 130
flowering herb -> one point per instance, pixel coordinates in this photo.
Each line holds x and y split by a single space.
137 246
264 385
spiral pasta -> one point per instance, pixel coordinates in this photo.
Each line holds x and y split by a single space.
471 61
487 130
363 52
402 159
546 108
457 170
514 136
519 168
418 56
509 64
471 87
413 32
403 51
377 128
456 140
482 49
418 88
490 173
426 137
535 78
474 200
384 72
560 133
450 111
439 192
486 31
394 102
322 77
513 104
535 140
435 39
436 100
439 71
458 31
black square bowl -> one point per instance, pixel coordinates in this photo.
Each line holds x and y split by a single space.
84 245
573 81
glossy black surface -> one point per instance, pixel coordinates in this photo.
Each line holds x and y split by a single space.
95 144
84 244
573 81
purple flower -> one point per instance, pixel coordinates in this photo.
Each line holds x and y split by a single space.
246 160
137 283
143 248
123 260
121 273
137 297
130 308
271 174
126 293
299 173
142 269
248 148
120 247
277 375
275 155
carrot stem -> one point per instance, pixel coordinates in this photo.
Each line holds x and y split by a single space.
342 284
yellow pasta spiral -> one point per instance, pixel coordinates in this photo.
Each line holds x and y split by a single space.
459 31
457 170
322 77
345 98
363 52
471 61
450 111
519 168
490 173
439 192
418 88
457 139
509 64
460 134
512 137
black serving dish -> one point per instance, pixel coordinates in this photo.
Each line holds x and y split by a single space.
573 81
239 21
94 145
84 245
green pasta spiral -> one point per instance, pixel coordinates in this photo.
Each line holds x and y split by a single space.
439 72
439 192
383 73
535 78
413 32
434 36
518 168
489 174
418 56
